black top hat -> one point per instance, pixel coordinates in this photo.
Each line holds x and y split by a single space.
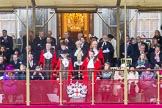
65 52
110 36
94 37
108 63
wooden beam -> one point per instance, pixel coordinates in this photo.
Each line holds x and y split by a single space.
125 56
118 3
33 3
27 62
75 10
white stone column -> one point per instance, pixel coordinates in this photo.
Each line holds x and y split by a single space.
18 24
160 21
97 26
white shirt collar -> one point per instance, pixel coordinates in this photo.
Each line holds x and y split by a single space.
90 64
95 51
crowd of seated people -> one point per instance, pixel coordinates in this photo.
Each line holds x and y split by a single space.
45 54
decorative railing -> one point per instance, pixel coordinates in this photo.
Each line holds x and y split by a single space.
90 91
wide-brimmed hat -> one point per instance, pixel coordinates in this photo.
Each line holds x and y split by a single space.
64 52
108 63
93 37
10 67
148 66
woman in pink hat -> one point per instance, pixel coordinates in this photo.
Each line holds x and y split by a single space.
9 84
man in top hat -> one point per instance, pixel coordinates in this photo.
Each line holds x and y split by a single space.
62 47
64 63
91 39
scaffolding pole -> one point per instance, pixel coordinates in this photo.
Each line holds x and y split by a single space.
33 21
27 68
125 56
106 24
20 20
49 19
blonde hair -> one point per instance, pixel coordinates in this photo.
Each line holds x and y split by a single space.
22 67
145 58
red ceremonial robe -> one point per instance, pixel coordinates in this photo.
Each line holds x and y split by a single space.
41 59
70 67
97 66
99 56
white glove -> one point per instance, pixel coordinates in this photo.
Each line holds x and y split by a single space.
142 66
53 47
138 67
98 78
76 52
106 51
